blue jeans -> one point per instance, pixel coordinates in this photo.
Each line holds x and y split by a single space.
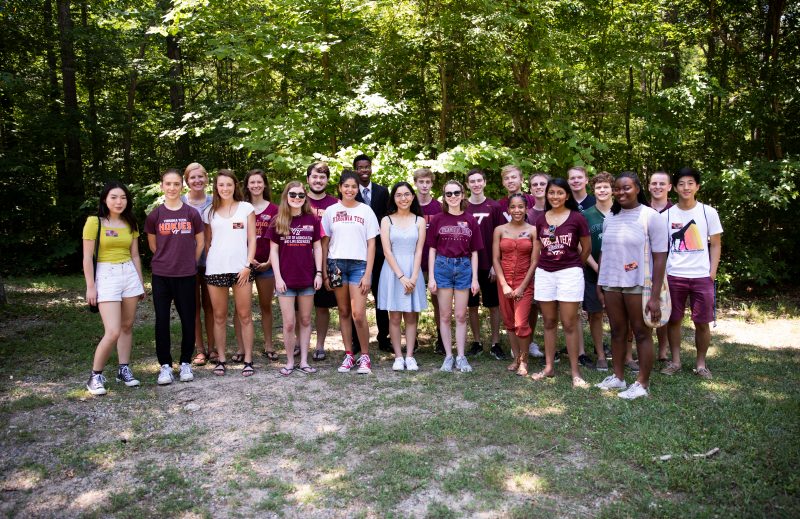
352 270
455 273
296 292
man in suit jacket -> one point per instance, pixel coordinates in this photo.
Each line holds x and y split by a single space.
377 197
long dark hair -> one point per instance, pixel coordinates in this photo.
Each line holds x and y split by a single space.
615 207
127 213
570 204
267 194
415 208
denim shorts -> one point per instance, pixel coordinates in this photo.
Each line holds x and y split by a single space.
269 273
296 292
455 273
352 270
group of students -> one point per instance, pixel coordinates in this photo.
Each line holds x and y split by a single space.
546 252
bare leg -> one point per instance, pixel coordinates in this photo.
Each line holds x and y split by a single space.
358 303
549 310
111 313
596 329
305 304
494 321
572 332
322 320
289 338
445 298
219 304
674 334
266 290
461 297
474 323
243 298
345 313
618 318
702 340
395 333
411 331
663 341
644 337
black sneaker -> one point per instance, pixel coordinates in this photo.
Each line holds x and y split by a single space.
607 350
475 348
497 352
439 347
585 361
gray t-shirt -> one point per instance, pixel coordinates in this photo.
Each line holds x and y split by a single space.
623 258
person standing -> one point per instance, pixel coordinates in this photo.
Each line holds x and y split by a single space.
513 181
317 177
578 179
115 285
538 185
695 245
175 235
400 292
659 186
512 255
423 181
376 197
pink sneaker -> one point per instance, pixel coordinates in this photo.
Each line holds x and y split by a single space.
347 364
364 365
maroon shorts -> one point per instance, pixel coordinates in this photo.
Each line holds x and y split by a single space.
700 292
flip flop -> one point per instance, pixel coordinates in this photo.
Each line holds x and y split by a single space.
200 359
308 369
286 371
271 355
319 355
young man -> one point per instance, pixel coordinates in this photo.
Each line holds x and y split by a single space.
595 215
695 244
317 176
512 180
578 178
423 181
489 215
538 186
659 186
377 198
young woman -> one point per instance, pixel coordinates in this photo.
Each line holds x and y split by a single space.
196 179
399 292
230 254
257 193
562 245
454 239
116 287
295 243
512 256
621 279
348 251
175 236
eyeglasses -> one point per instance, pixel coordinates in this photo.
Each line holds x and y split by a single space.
452 193
403 195
296 195
552 230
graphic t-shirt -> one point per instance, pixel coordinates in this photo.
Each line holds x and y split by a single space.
595 220
454 236
318 206
200 208
488 215
688 240
175 233
263 219
227 253
504 204
623 245
115 242
428 212
349 228
296 250
560 248
586 203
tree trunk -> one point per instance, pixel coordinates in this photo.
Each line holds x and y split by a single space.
769 71
70 185
177 97
53 91
95 135
3 299
671 69
628 104
127 131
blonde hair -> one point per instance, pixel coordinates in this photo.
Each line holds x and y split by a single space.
511 168
283 220
191 167
424 173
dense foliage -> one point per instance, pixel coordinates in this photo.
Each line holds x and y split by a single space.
124 88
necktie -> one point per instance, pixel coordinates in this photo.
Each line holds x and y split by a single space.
366 196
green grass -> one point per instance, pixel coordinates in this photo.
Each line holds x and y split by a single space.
391 445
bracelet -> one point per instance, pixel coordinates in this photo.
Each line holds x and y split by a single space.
401 276
318 271
318 274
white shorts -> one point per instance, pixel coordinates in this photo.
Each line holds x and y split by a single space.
562 285
116 281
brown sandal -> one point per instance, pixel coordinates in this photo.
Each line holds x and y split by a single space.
200 359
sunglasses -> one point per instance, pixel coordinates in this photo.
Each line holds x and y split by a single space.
296 195
452 193
552 230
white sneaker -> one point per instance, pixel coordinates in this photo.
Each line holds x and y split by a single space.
186 372
611 382
635 391
411 364
534 351
447 365
399 364
462 364
165 378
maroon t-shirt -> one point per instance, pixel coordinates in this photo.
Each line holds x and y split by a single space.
428 212
454 236
561 252
263 219
296 250
318 207
489 215
533 214
175 240
504 204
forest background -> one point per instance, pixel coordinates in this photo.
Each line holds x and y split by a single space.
122 89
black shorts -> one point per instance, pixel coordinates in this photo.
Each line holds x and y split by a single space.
591 303
226 280
488 294
324 298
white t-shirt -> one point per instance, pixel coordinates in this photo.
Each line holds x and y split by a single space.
228 251
688 240
349 229
622 261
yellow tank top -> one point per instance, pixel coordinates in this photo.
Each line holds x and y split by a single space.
115 242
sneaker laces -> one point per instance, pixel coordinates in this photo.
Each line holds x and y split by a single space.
100 378
125 372
364 361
